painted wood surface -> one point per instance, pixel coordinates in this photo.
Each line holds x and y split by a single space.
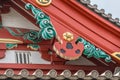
85 23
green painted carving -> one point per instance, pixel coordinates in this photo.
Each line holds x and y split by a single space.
11 46
91 51
13 33
33 36
0 25
47 33
47 30
33 46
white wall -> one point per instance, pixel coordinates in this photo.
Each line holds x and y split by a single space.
14 19
34 57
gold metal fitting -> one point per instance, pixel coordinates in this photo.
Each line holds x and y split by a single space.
116 55
32 48
9 40
68 36
44 2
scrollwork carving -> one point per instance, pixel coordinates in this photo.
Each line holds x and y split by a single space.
92 51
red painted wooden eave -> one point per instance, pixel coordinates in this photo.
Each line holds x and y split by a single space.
95 17
84 23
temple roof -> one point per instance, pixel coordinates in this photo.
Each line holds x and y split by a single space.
100 12
58 75
101 35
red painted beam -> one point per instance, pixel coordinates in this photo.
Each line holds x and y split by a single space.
5 6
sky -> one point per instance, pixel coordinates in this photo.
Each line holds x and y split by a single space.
110 6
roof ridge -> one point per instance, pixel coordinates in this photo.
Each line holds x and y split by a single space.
101 12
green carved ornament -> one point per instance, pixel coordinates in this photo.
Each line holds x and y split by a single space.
33 36
11 46
47 31
91 51
33 46
13 33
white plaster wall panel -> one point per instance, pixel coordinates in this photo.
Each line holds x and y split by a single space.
14 19
34 57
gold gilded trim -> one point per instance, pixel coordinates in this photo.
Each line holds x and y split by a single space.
68 36
8 40
44 2
116 55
